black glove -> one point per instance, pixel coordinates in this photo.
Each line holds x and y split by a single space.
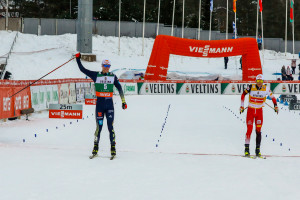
78 55
276 109
124 105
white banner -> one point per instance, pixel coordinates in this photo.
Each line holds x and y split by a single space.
42 96
38 97
72 93
158 88
80 87
63 93
128 89
52 95
236 88
200 88
286 88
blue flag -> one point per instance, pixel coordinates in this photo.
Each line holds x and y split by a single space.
234 30
211 5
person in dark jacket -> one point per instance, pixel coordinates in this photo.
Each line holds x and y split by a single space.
283 73
241 62
226 61
104 83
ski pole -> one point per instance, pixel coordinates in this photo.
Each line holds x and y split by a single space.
42 77
270 106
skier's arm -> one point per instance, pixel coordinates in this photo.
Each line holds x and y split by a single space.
272 97
91 74
246 91
119 87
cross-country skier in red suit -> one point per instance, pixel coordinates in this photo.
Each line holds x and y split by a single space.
257 97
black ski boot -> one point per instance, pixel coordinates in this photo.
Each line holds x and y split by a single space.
257 152
95 150
113 150
247 151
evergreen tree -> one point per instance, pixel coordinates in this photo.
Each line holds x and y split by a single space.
132 10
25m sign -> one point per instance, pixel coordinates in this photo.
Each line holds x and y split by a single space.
65 111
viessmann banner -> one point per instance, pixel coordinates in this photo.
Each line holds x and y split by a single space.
65 111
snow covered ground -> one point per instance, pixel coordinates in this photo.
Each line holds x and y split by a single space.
187 164
198 153
38 55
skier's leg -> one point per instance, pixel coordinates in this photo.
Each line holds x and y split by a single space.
110 114
249 121
99 124
258 123
110 125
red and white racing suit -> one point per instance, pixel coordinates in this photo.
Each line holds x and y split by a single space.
257 98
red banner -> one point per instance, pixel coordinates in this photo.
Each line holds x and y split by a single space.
24 83
165 45
65 114
11 107
90 101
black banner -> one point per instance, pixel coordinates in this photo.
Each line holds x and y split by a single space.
288 98
294 105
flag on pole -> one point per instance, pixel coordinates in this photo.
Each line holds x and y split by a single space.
211 5
292 11
234 5
260 6
234 30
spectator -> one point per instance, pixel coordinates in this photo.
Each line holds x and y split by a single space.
259 42
293 66
226 61
283 73
241 62
141 77
7 75
289 74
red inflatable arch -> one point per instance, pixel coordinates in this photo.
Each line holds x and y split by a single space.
165 45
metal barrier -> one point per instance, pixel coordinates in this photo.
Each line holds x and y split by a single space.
3 66
44 26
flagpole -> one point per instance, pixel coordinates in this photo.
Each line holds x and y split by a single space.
262 36
173 19
144 19
157 28
293 29
227 21
286 19
257 20
6 17
235 25
119 46
210 19
199 20
182 28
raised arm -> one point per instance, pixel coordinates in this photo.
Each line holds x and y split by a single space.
91 74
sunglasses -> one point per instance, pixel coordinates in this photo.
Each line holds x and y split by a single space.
259 81
106 66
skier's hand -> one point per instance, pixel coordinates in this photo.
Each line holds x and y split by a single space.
78 55
242 109
124 105
276 109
